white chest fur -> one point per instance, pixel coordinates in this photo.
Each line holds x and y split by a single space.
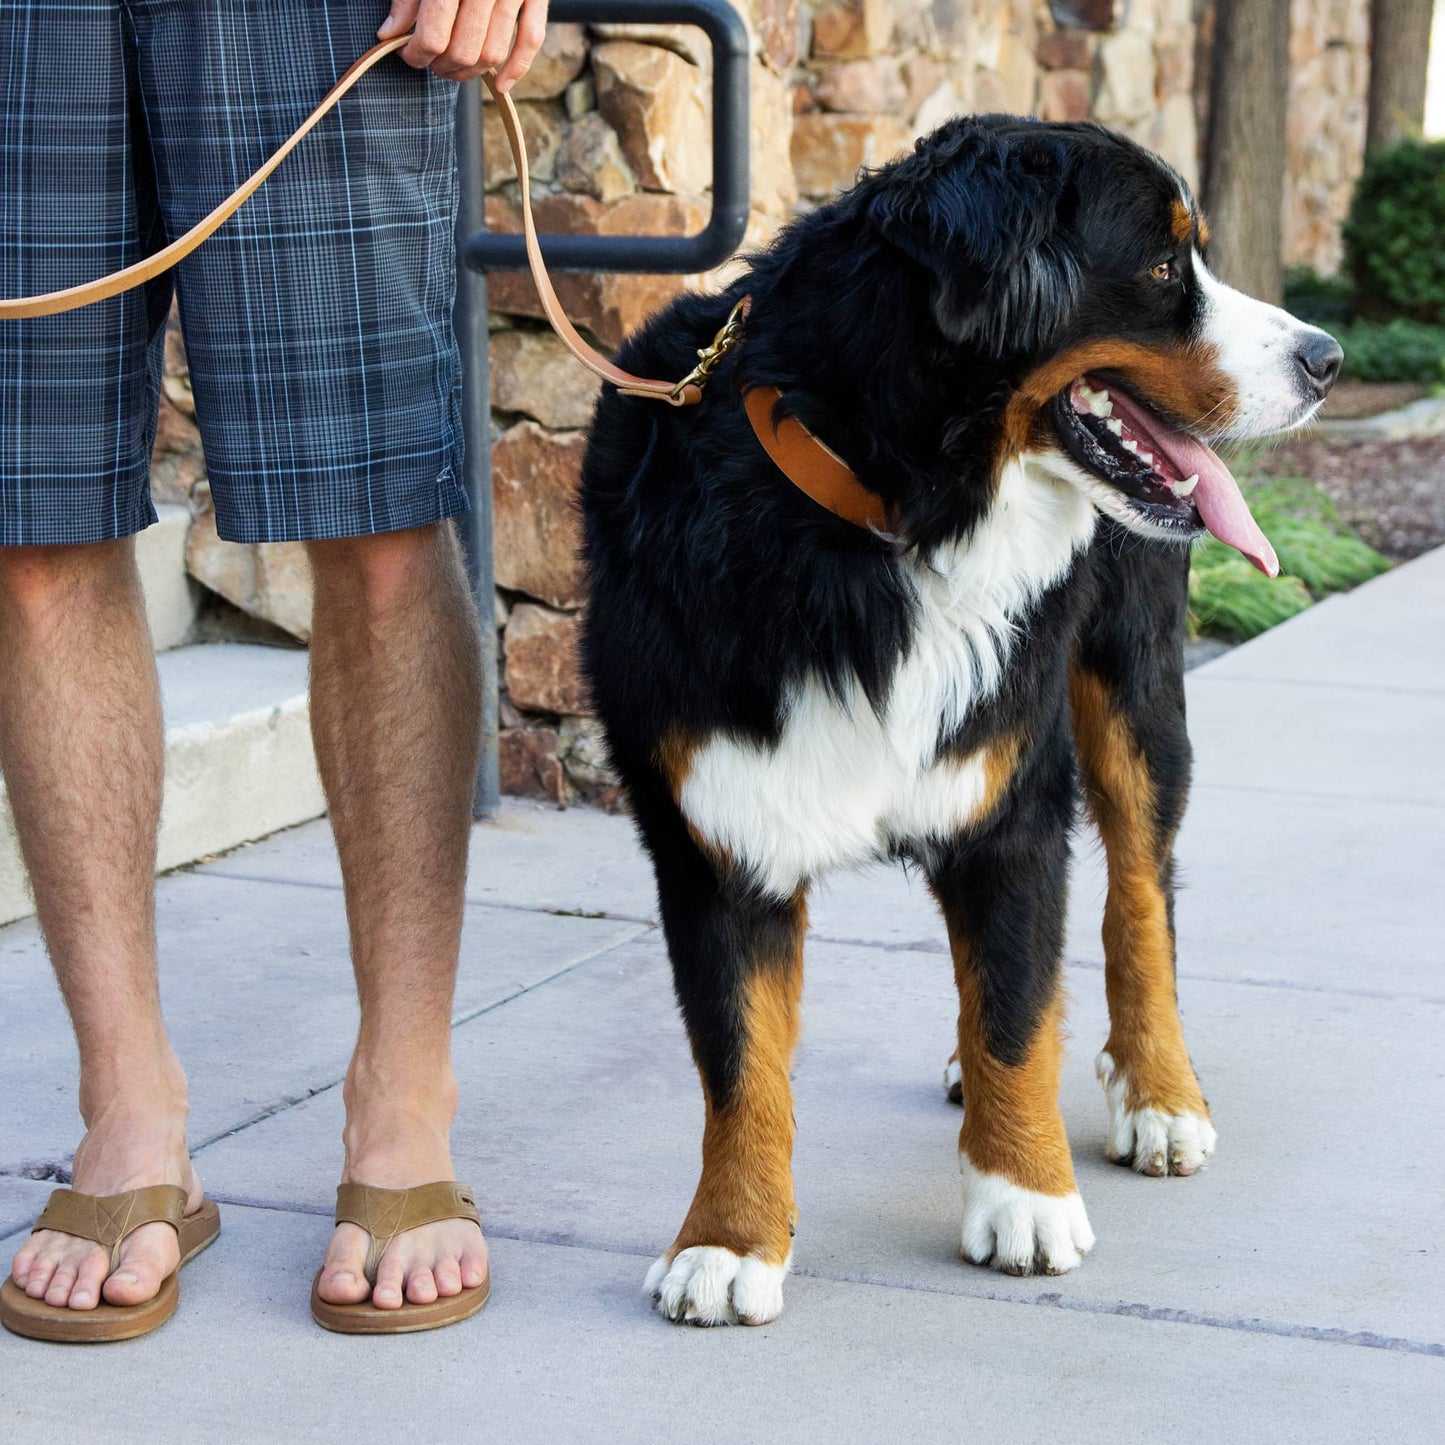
844 782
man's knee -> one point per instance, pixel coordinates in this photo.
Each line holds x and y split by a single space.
378 570
35 579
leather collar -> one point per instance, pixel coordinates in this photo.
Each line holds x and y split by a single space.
812 466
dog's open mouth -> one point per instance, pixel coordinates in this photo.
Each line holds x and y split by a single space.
1167 478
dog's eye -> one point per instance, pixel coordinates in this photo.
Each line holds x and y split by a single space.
1164 271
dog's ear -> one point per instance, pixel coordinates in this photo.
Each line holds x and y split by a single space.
980 210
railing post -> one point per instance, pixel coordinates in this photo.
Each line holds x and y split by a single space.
478 252
471 331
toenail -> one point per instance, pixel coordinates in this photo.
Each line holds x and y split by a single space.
124 1278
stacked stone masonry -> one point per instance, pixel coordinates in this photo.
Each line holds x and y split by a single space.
617 123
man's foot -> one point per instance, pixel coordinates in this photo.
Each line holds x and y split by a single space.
122 1150
400 1151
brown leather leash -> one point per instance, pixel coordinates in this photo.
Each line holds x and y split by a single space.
799 455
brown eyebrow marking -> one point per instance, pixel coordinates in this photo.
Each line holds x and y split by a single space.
1181 223
1201 227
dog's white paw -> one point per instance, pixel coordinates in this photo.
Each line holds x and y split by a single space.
1152 1141
710 1285
1019 1231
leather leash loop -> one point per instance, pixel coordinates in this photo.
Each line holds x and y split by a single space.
685 393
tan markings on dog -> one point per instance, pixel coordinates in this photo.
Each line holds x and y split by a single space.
1146 1038
674 756
1011 1120
1201 229
1000 761
744 1200
1186 382
1181 223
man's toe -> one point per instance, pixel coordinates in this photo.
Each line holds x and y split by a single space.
387 1293
448 1277
20 1265
421 1286
132 1284
342 1287
38 1280
58 1293
89 1281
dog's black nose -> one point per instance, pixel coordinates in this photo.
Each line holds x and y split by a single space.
1319 357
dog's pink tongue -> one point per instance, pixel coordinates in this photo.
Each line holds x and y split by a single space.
1221 504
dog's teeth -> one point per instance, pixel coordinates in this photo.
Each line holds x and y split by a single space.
1130 445
1187 486
1117 427
1147 458
1104 407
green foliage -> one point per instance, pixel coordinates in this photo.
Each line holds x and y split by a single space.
1397 350
1392 236
1327 301
1318 554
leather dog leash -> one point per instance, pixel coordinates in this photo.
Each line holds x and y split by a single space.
807 462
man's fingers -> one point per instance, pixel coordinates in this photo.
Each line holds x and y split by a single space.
401 18
462 57
498 43
435 20
531 31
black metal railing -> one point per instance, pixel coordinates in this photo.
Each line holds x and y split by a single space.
481 251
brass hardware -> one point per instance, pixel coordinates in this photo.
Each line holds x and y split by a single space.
711 355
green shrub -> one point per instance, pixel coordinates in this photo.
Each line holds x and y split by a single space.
1392 236
1318 554
1327 301
1397 350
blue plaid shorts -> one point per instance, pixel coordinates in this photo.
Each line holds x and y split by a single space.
318 321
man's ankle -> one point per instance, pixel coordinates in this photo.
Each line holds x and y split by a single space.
143 1084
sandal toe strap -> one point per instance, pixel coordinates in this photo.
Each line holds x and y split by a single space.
385 1213
108 1219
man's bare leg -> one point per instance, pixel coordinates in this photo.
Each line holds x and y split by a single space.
395 709
82 751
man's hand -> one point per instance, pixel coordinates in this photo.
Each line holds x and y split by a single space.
459 39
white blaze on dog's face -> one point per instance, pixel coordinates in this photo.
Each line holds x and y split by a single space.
1263 350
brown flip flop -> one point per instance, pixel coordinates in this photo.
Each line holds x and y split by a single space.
383 1214
109 1221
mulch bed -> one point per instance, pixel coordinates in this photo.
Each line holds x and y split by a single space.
1391 493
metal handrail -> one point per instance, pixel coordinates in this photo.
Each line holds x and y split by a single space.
480 251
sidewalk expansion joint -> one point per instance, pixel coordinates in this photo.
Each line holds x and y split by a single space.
601 915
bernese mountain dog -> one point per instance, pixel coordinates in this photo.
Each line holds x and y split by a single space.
1011 340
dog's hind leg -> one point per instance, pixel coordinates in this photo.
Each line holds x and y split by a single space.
1002 897
737 960
1128 709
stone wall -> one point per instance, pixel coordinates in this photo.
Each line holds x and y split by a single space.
617 121
1329 53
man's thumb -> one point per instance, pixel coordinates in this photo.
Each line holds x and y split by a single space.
402 18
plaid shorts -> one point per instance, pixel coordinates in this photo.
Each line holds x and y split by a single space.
318 321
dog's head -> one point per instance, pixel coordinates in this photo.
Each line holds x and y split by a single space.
1075 260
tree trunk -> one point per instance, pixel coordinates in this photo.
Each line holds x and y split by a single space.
1399 53
1244 182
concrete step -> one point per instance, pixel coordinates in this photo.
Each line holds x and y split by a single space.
172 598
239 763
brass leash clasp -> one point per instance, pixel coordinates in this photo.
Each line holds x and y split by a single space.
711 355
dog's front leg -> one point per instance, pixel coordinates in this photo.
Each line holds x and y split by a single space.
738 968
1003 897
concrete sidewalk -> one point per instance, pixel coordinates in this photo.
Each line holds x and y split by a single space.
1293 1291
